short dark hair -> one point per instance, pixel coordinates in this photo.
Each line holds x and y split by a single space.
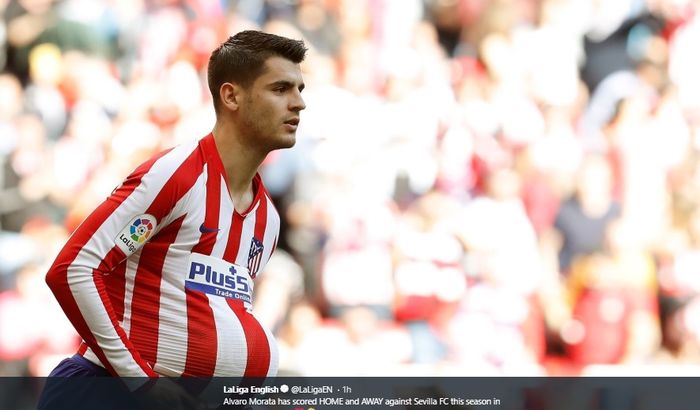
241 58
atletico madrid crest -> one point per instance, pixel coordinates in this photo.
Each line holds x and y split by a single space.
254 257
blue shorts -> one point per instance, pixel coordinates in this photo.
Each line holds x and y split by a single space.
78 366
77 383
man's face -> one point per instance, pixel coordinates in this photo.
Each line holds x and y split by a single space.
270 108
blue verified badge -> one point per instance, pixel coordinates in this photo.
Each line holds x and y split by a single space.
136 233
217 277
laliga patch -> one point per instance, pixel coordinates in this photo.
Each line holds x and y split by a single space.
217 277
136 233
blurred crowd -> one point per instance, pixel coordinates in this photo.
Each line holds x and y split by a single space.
479 187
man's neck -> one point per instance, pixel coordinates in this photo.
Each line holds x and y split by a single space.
240 161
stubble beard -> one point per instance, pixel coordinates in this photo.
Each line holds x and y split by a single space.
260 135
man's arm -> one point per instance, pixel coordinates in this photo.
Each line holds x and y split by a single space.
131 215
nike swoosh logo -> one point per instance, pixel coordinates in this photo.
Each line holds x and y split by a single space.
204 229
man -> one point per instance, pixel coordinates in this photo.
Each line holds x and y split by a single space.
158 280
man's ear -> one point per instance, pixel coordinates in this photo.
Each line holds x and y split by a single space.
230 95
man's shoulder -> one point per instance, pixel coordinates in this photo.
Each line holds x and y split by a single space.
170 160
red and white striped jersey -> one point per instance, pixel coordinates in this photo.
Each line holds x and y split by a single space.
158 280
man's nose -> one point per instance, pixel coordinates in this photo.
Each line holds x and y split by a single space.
297 104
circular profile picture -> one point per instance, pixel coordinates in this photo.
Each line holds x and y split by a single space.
141 229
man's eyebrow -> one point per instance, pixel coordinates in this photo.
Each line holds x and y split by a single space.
286 83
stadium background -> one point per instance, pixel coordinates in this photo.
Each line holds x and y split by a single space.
504 187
